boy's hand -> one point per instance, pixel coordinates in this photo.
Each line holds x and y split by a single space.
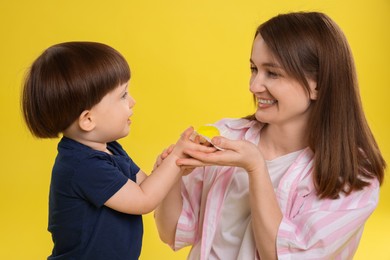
186 142
196 138
162 156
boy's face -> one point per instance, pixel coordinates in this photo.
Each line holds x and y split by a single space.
112 114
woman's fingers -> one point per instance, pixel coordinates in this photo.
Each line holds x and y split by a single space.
225 143
190 163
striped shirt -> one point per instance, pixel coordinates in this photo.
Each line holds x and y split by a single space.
310 229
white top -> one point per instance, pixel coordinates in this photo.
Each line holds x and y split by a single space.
234 232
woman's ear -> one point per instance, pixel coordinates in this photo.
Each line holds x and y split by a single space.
85 121
313 90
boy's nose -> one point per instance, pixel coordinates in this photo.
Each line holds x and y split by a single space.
131 102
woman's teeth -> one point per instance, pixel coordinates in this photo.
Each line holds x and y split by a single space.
267 101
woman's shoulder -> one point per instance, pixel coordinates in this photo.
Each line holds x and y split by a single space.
236 123
237 128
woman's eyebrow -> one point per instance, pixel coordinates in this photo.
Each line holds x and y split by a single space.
268 64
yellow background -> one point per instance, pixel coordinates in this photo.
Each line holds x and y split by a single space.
190 65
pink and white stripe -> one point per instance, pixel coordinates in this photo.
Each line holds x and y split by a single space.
310 228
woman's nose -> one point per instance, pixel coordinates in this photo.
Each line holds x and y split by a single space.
256 84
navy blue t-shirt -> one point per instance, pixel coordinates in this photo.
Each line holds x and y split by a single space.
82 180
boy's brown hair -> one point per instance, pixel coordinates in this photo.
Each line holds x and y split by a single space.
67 79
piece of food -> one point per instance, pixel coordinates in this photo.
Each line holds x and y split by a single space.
208 131
205 133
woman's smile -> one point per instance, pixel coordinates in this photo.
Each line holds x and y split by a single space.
266 102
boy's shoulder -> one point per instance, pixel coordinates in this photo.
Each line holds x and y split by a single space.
72 147
79 157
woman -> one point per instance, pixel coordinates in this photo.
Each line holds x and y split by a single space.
299 178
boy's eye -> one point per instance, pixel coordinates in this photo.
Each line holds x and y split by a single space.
125 95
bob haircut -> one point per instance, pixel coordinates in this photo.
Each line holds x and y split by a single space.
309 45
67 79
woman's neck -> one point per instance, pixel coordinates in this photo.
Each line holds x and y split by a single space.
276 141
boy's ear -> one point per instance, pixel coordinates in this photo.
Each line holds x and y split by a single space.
85 121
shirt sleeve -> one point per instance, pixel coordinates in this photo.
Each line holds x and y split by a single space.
326 229
98 179
196 184
187 226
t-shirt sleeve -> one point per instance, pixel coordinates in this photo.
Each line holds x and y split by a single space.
134 170
326 229
97 180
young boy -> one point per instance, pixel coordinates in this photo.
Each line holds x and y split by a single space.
97 193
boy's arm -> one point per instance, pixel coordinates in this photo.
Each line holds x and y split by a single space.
144 198
141 176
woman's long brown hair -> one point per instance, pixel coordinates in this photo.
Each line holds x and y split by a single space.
311 45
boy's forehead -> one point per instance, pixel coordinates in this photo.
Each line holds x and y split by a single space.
124 86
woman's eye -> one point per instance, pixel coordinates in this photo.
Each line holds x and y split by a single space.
253 69
272 74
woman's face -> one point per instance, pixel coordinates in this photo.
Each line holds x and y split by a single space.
281 100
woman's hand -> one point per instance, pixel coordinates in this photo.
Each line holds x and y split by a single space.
265 211
235 153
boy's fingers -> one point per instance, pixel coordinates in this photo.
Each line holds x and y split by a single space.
187 133
170 148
